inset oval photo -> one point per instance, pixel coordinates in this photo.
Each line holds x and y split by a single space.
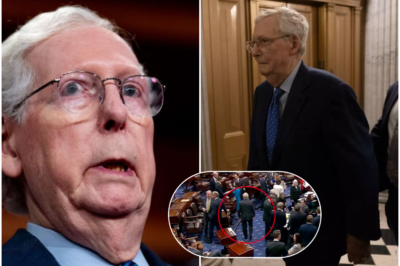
244 214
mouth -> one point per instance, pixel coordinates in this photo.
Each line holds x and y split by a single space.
115 166
118 166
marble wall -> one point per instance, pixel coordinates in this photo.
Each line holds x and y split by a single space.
381 67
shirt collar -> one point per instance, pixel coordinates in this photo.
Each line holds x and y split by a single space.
67 252
287 83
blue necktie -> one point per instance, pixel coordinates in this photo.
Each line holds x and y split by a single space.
128 263
273 122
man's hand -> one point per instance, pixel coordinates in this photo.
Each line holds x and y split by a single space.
357 249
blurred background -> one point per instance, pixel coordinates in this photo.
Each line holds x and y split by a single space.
167 44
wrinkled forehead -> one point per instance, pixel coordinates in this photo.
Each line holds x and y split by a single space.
266 27
86 48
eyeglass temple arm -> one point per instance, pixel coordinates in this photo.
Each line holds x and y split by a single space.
34 92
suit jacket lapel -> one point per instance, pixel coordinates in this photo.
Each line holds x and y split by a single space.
293 107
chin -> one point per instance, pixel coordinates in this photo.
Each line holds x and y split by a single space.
114 205
264 70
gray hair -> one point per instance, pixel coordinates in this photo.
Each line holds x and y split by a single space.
18 75
290 22
245 196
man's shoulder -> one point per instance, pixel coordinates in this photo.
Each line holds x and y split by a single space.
308 227
315 73
25 249
217 201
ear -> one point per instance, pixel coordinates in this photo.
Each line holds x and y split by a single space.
12 165
296 45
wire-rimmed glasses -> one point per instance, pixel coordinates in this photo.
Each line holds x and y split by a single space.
83 92
262 43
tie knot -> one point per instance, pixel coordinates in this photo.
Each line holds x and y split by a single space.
128 263
277 94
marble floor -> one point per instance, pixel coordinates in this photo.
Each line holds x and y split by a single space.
384 251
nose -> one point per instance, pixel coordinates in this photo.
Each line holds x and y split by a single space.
255 51
113 112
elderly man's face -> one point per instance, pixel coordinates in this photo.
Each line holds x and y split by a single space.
208 194
275 57
81 167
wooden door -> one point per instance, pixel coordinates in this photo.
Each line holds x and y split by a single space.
339 43
255 8
310 58
225 59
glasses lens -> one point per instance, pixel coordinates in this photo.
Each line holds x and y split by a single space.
143 95
80 92
248 47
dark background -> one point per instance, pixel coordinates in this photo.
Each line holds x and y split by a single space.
167 38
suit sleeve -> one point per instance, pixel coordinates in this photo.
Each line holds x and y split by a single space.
377 129
378 139
253 157
346 134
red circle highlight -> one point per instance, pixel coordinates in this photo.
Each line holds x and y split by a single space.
241 242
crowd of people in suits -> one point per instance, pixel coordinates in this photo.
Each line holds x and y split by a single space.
287 236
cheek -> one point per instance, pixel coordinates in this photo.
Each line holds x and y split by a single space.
145 158
52 153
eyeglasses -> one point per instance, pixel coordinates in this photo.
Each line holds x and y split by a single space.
83 92
262 43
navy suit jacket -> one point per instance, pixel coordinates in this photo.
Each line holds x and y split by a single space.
214 209
316 221
212 184
380 136
275 249
25 249
280 221
296 220
307 232
263 185
323 137
219 189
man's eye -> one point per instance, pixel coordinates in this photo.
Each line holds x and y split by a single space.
265 40
131 91
71 89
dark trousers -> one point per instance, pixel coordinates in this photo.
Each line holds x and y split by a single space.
206 226
213 223
262 195
244 228
289 241
267 228
392 211
284 235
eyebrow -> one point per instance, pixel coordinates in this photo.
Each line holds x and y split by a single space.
123 70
